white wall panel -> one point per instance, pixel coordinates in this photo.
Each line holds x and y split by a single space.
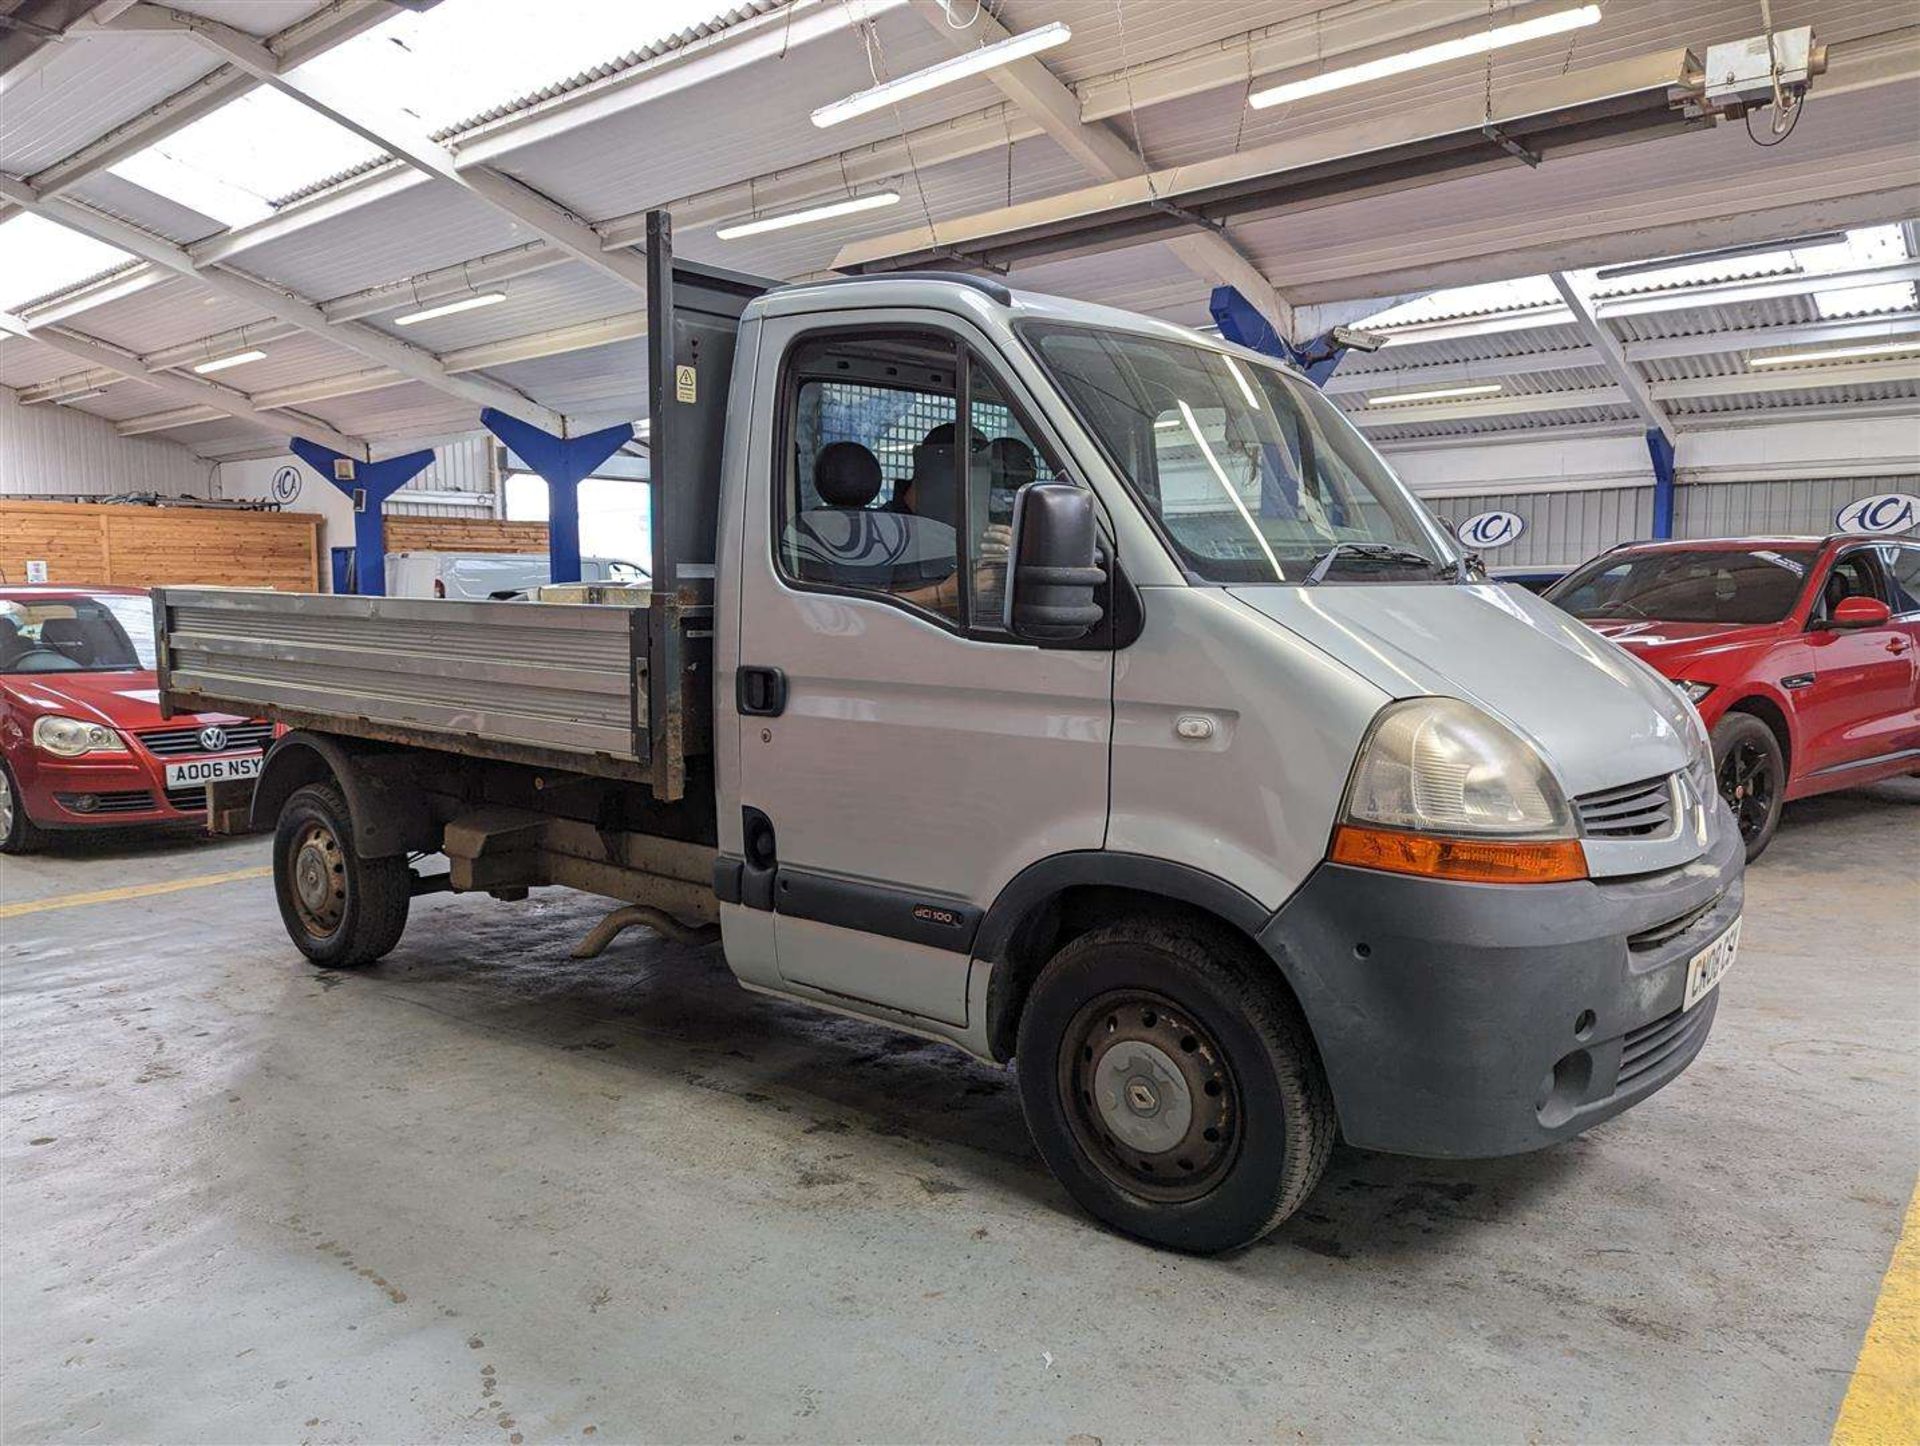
50 450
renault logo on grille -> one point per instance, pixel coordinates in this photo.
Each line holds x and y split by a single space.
213 739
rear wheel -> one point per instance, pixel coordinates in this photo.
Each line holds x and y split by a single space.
341 910
1172 1087
18 833
1752 772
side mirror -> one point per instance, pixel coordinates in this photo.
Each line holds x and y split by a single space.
1859 612
1054 564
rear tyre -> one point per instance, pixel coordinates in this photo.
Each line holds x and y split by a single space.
1752 773
18 833
1171 1085
341 910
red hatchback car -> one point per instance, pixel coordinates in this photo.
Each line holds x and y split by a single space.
1801 653
82 742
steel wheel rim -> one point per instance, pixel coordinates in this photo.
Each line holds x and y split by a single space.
317 879
6 805
1150 1096
1746 783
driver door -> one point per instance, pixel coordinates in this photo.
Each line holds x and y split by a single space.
1860 704
902 754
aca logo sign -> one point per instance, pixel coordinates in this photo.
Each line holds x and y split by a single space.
1889 512
1491 529
286 484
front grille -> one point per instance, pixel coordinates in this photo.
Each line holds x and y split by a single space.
131 800
1665 933
188 800
176 742
1633 810
1651 1045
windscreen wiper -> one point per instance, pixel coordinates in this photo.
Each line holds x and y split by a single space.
1372 552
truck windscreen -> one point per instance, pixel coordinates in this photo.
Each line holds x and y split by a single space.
1251 474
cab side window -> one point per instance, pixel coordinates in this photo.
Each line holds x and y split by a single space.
1901 562
1854 574
868 501
880 495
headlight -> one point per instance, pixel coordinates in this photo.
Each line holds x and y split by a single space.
1695 691
71 737
1444 790
1699 747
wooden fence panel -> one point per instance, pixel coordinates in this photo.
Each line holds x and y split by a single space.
65 536
146 546
464 534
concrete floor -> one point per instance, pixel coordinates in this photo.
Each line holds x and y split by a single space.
484 1194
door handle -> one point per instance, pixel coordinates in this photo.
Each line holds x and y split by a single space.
761 692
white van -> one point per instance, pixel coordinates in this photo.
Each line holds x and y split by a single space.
480 576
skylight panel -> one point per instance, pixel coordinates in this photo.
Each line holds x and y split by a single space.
38 256
1865 300
437 68
1864 246
193 186
1491 296
452 62
236 160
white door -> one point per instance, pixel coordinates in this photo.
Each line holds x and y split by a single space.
909 756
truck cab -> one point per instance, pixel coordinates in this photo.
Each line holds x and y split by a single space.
1078 690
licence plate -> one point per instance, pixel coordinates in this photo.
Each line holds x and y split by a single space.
213 770
1705 969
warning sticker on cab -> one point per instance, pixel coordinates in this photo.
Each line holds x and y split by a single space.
683 384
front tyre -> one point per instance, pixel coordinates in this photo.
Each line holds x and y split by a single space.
1752 773
1171 1085
341 910
18 833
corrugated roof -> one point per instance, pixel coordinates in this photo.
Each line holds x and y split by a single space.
534 99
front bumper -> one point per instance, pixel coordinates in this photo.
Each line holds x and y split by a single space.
1464 1020
107 790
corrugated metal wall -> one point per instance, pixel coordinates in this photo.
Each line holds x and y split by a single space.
54 451
1562 527
463 466
1731 509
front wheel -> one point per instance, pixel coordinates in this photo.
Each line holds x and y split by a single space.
1752 773
1172 1087
18 833
341 910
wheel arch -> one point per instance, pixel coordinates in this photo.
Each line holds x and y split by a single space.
390 816
1060 897
1772 713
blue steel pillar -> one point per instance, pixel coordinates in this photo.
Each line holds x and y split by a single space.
369 484
562 463
1660 449
1242 323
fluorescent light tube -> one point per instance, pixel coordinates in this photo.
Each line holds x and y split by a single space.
73 397
987 57
1835 353
448 308
1497 38
1436 394
221 363
735 230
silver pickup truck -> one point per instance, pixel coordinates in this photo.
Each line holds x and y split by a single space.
1061 684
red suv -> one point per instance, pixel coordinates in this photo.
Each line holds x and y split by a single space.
82 742
1801 653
